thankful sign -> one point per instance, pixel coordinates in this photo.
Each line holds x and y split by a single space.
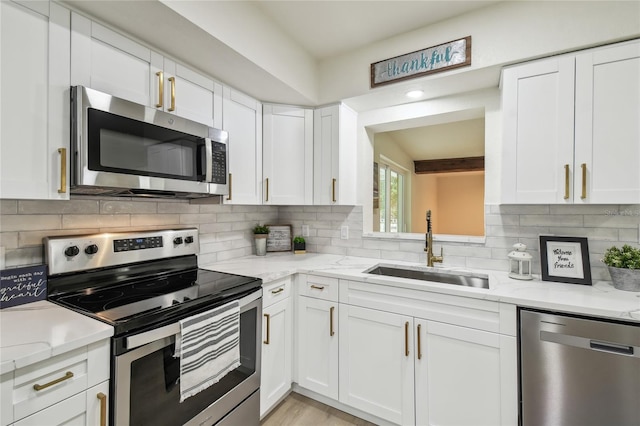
22 285
442 57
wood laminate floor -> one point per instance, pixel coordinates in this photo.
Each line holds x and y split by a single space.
298 410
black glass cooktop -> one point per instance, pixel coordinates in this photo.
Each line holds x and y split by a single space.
141 296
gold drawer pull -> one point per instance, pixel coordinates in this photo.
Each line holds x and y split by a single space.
317 287
267 194
160 103
172 80
268 318
331 332
406 338
63 170
67 376
566 181
333 190
230 185
279 290
584 181
419 345
103 408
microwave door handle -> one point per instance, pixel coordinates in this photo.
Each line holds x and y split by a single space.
208 148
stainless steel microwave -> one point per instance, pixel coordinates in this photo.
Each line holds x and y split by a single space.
123 148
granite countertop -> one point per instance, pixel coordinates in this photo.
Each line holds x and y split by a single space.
601 299
37 331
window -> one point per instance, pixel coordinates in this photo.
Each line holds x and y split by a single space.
391 184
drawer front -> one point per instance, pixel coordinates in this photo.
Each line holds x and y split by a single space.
275 291
319 287
71 411
56 379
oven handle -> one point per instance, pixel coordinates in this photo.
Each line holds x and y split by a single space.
150 336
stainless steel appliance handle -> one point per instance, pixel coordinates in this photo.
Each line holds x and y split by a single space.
150 336
585 343
208 148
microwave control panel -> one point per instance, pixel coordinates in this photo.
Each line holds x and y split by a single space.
219 163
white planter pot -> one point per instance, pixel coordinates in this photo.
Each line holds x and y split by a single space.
261 244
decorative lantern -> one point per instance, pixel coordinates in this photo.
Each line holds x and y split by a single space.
520 263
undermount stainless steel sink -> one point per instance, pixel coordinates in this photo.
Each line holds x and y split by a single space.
450 277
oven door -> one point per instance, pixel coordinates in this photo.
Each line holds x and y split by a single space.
145 379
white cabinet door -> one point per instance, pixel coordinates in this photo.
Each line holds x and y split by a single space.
109 62
376 363
458 379
287 155
275 379
318 346
188 94
607 125
537 106
97 403
34 96
335 149
243 120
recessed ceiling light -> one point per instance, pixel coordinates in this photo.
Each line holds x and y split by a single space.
414 93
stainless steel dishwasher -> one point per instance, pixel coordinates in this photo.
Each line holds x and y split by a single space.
576 371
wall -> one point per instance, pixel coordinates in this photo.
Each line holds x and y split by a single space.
455 199
225 231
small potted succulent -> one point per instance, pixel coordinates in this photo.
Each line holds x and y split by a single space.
260 234
299 245
624 267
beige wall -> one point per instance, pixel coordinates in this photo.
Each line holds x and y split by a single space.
455 199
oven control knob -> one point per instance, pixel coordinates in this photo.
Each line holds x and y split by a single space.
91 249
177 240
188 239
71 251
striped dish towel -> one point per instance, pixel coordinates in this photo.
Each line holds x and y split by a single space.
208 348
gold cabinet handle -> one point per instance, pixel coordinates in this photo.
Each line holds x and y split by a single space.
333 190
419 344
103 408
406 338
67 376
267 195
160 103
276 291
331 332
317 287
584 181
63 170
268 318
566 181
230 185
172 80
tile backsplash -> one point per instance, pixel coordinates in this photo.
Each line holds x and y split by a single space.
225 231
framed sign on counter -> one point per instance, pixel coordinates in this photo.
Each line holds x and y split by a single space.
279 238
565 260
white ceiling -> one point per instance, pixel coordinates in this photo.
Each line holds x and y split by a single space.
330 28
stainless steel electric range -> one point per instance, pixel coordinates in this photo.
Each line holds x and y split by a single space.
143 284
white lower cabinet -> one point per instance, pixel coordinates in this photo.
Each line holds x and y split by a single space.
68 389
376 363
275 381
317 345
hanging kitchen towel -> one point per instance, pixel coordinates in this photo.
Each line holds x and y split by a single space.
208 348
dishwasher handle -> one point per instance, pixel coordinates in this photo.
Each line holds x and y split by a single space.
589 344
611 347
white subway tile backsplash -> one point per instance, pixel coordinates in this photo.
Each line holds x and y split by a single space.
8 207
59 207
29 222
124 207
549 220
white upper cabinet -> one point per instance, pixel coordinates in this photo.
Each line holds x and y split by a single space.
109 62
571 130
335 153
243 120
34 95
287 155
607 125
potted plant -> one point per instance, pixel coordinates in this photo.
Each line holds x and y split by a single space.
260 234
624 267
299 245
